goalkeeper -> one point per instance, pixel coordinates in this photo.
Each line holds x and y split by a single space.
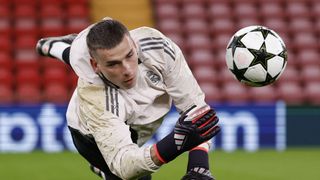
127 83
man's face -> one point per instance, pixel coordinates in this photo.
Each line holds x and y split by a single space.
119 64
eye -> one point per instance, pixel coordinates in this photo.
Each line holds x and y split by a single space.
112 64
130 54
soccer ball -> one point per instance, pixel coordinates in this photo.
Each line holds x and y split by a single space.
256 55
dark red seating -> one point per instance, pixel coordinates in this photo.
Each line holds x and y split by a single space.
312 93
201 57
55 76
56 93
6 78
193 10
212 92
310 73
300 24
263 94
308 57
198 41
6 62
28 94
222 25
219 10
204 27
279 25
245 9
169 25
291 93
205 74
271 9
24 76
28 77
195 25
167 11
297 9
6 95
290 74
235 92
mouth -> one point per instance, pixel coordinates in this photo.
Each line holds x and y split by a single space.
129 80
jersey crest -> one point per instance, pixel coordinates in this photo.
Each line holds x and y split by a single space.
154 78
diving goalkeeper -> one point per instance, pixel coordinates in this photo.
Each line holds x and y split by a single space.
128 81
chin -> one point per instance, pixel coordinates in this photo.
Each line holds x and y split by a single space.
129 86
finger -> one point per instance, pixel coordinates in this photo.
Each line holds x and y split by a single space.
204 117
207 121
211 133
209 124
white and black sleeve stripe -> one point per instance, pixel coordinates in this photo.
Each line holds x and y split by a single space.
152 43
112 101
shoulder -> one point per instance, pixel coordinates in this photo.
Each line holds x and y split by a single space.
143 32
153 43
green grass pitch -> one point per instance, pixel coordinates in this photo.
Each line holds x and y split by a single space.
293 164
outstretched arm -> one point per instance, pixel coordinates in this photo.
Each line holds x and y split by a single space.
184 89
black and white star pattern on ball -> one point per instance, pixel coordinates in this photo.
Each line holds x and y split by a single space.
239 73
261 56
263 31
256 55
236 43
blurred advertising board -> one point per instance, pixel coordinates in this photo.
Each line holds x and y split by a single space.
303 128
244 126
28 128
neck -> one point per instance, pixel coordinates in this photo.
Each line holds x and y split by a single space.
106 81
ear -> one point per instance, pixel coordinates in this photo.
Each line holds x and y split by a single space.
94 65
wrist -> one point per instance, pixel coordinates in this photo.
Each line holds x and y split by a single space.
150 159
198 158
166 150
204 147
155 156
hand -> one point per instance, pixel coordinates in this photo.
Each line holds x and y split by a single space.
194 127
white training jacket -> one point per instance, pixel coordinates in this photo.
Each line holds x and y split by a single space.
107 113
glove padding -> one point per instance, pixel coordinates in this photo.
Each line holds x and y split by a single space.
198 173
194 127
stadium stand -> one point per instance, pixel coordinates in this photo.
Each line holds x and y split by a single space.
6 78
201 28
5 60
312 92
218 10
263 94
234 92
297 23
6 43
28 94
6 95
56 93
24 76
212 92
290 92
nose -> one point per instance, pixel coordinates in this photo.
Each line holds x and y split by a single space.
127 68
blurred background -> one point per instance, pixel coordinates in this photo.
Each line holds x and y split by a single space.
279 118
